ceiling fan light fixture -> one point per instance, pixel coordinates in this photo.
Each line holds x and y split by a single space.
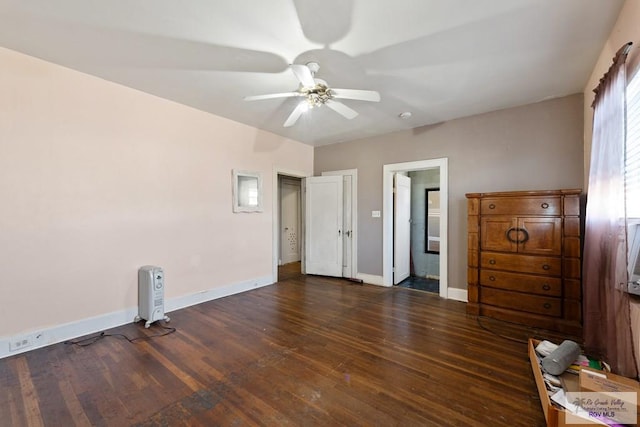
316 93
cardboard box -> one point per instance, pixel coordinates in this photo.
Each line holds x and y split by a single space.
600 381
606 382
555 416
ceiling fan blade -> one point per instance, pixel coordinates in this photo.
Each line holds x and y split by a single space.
296 113
303 74
360 95
271 96
340 108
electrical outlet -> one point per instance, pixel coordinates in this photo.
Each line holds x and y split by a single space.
18 343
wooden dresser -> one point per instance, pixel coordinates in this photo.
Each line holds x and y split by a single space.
524 250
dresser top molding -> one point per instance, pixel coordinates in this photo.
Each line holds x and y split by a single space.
573 191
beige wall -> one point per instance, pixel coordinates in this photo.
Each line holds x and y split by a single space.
97 179
534 147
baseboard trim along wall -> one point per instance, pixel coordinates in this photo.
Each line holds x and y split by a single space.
52 335
457 294
370 279
452 293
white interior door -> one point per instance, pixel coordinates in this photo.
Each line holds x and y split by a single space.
347 239
349 220
402 228
289 221
323 226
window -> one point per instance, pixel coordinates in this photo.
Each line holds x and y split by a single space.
632 155
632 183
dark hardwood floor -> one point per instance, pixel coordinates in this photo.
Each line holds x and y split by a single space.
306 351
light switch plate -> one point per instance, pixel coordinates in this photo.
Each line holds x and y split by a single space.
375 214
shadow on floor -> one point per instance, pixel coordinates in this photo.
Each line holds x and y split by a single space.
421 284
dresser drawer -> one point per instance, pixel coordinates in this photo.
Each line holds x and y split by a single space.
541 285
533 205
549 266
537 304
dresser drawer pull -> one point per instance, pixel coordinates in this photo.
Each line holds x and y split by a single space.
546 267
525 235
492 278
546 287
492 206
492 261
544 205
547 305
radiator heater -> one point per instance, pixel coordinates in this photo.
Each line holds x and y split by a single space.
150 295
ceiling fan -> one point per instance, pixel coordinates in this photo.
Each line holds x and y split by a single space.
316 93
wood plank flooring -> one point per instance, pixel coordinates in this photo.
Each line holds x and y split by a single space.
308 351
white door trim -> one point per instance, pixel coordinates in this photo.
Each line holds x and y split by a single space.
387 217
275 217
354 215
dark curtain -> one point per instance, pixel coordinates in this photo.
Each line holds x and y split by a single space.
607 324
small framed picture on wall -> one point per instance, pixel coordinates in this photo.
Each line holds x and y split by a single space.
247 191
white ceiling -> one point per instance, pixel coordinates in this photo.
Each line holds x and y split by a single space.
439 59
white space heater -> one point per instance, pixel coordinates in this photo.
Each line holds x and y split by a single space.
150 295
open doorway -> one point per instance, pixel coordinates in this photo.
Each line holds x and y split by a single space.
425 241
288 222
424 231
290 229
290 218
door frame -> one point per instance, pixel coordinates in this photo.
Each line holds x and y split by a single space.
275 218
354 215
387 216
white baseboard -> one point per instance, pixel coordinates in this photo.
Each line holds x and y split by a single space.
52 335
457 294
215 293
371 279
